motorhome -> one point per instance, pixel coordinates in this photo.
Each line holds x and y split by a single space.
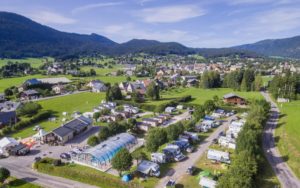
148 168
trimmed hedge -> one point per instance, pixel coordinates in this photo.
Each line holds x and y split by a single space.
25 123
82 174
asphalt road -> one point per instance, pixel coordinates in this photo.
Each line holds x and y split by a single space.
285 175
180 168
20 167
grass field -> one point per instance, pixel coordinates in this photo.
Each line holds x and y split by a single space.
266 79
34 62
201 95
19 183
288 134
81 102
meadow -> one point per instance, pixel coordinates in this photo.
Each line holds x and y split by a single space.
81 102
288 134
200 95
34 62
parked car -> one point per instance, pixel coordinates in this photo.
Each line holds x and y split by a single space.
37 159
191 170
65 156
190 149
170 184
215 141
179 157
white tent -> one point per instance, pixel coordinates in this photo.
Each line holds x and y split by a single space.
40 134
207 182
6 143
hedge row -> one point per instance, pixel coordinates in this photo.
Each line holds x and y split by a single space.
25 123
82 174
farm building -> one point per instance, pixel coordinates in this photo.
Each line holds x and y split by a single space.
67 131
100 156
232 98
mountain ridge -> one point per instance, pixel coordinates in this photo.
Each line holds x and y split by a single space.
23 37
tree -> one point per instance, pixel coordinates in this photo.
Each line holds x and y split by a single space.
128 78
174 131
209 105
104 134
139 155
4 174
258 83
199 112
93 72
155 138
247 81
96 115
153 91
93 141
29 109
122 161
8 92
114 93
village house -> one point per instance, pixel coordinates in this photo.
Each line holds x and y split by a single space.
97 86
234 99
29 94
59 89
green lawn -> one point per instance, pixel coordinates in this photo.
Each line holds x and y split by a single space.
82 174
34 62
19 183
102 71
81 102
288 134
266 79
201 95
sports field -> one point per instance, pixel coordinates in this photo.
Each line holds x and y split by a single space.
288 134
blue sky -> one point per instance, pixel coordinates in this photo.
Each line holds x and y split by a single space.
194 23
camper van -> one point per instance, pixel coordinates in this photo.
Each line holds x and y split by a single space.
158 157
219 156
149 168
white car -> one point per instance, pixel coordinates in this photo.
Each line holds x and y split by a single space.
179 157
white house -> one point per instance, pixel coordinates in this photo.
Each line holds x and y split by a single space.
97 86
170 109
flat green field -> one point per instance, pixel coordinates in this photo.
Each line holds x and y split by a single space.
288 134
17 81
102 71
35 62
82 102
201 95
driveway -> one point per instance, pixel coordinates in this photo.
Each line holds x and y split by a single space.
178 118
285 175
179 169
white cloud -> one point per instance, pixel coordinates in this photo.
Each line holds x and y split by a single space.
93 6
170 14
238 2
47 17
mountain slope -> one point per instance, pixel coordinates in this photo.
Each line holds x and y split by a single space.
20 36
288 47
152 47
